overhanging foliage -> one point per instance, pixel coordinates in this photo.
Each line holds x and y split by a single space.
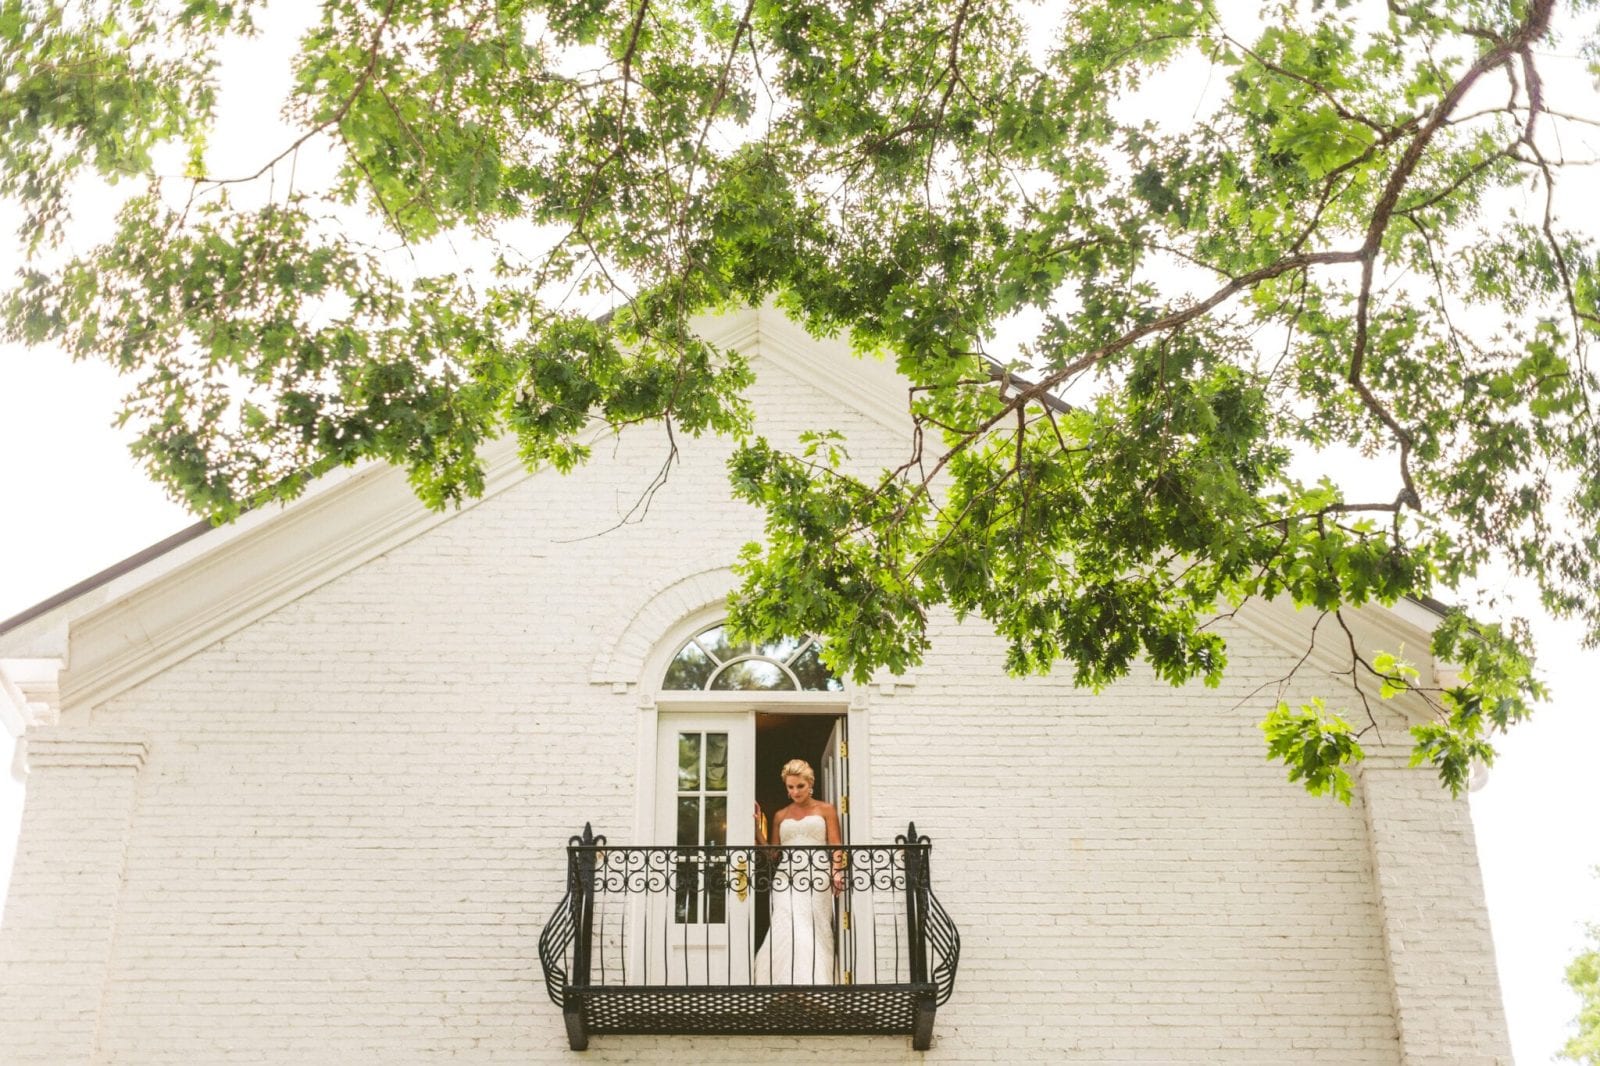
1342 236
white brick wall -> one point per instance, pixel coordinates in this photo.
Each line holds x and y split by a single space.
1446 992
349 831
1196 908
61 914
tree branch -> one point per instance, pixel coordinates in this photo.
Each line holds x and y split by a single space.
337 115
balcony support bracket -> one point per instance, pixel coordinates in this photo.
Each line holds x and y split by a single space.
577 1033
922 1025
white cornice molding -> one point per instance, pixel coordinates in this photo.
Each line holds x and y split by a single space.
30 694
15 714
237 579
739 330
47 635
29 699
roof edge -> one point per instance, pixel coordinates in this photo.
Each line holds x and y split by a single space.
108 575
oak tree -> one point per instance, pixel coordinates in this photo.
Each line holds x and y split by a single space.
1222 250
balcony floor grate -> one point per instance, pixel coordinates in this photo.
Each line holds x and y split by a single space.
889 1009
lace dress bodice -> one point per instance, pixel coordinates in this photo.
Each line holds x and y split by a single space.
812 829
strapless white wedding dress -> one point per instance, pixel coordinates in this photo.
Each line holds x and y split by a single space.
799 945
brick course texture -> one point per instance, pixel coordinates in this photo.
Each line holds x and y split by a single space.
348 830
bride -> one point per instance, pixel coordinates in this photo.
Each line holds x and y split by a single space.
799 945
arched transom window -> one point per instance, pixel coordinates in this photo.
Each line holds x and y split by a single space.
711 661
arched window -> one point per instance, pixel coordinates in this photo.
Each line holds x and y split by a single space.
711 661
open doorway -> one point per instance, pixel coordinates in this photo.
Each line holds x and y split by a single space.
816 739
781 737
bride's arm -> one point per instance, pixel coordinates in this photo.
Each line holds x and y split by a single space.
766 843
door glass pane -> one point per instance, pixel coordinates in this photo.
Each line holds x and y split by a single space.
686 905
689 821
717 890
686 893
688 766
717 862
716 762
717 820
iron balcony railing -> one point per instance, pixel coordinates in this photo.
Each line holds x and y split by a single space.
749 939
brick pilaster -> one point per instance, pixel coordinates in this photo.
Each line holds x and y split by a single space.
1435 924
60 917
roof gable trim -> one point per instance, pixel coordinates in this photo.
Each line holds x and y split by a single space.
302 546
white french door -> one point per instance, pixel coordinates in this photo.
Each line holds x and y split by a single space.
698 931
833 786
855 944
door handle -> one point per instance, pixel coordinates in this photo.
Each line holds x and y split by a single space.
741 879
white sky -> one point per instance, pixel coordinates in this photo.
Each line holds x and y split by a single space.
74 503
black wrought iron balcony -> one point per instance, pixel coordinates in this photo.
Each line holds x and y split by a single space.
725 939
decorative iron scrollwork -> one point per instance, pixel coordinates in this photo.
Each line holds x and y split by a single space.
664 939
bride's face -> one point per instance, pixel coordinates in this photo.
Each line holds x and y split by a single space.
799 788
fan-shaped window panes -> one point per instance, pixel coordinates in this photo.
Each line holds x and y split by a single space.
752 675
691 668
810 672
712 660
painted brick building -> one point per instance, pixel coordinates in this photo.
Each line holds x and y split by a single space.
300 790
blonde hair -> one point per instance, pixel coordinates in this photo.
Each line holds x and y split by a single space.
801 769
